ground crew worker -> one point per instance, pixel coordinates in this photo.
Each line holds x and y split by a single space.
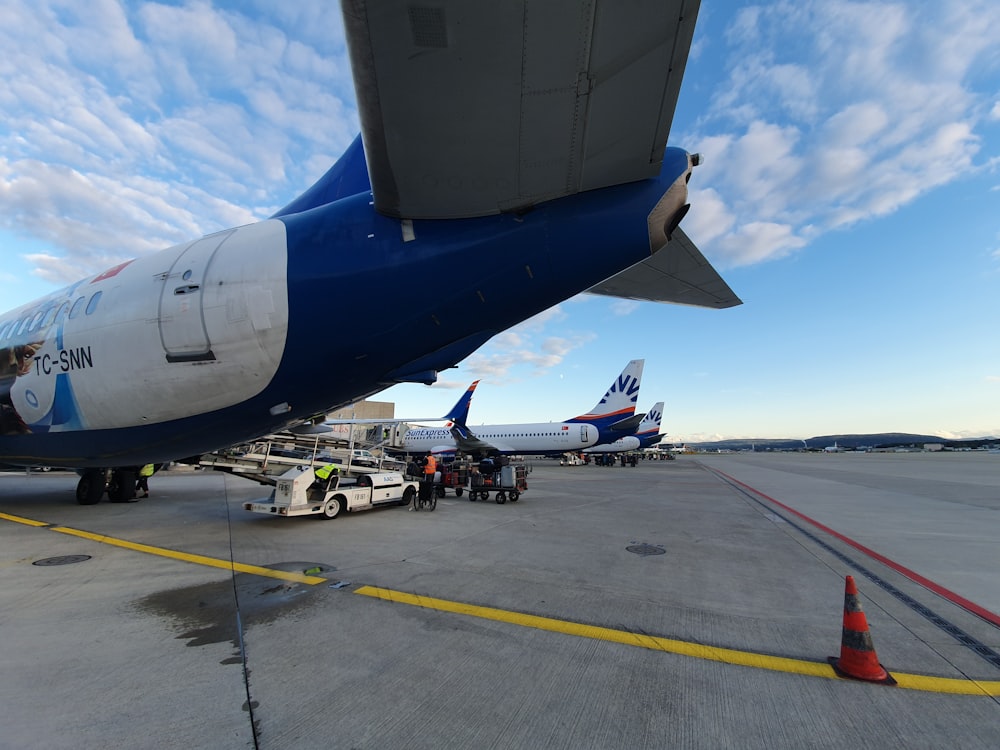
142 482
430 468
426 488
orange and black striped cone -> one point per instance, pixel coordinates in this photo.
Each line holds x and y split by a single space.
857 654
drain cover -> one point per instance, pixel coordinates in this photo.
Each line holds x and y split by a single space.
62 560
646 549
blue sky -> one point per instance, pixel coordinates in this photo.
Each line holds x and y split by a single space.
850 195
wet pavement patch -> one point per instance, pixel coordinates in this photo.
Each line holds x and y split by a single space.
61 560
645 550
207 613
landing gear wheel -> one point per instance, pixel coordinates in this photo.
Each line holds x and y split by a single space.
333 507
121 488
90 488
501 497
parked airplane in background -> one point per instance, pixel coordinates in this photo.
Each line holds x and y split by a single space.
647 434
518 156
614 410
649 429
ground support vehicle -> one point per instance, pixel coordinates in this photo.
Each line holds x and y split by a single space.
454 475
507 482
299 493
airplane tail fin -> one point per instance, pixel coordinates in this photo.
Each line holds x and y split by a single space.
652 419
459 413
618 404
649 429
348 176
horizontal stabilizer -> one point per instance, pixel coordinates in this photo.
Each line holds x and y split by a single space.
678 273
629 424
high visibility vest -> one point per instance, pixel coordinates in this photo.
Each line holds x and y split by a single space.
147 470
431 466
324 472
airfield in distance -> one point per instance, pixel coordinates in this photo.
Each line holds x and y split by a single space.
687 603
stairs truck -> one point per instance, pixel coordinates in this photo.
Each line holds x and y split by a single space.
299 492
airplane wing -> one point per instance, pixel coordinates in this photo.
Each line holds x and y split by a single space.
467 442
677 273
471 109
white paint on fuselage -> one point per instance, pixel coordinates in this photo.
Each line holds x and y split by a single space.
621 445
544 437
172 335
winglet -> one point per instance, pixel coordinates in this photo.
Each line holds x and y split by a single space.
459 413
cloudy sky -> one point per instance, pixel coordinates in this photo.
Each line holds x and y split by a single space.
850 195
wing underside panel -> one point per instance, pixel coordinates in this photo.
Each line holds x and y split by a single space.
471 109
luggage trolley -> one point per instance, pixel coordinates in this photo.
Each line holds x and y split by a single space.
508 482
454 475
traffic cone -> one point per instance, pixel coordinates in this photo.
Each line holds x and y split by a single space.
857 654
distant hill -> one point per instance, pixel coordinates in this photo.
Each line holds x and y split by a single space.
848 442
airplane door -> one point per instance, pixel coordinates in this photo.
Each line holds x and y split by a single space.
182 319
583 434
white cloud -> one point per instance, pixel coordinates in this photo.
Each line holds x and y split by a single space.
128 129
837 113
525 351
623 307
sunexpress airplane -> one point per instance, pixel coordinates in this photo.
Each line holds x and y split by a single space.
613 415
508 160
646 435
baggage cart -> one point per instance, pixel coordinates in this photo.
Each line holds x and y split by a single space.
455 476
505 482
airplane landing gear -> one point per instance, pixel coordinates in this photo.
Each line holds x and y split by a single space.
90 488
120 486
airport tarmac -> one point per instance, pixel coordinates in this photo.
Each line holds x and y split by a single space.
690 604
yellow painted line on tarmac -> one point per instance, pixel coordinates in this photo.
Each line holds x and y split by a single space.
212 562
21 519
672 646
922 683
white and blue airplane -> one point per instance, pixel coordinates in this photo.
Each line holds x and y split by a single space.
507 161
613 413
647 434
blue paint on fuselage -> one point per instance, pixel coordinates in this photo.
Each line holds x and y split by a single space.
364 303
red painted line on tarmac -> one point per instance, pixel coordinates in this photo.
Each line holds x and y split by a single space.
951 596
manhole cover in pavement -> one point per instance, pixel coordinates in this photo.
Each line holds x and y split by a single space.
62 560
646 549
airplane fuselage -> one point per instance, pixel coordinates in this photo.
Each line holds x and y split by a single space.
544 438
248 331
621 445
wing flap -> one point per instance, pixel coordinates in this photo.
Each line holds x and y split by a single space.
470 109
677 273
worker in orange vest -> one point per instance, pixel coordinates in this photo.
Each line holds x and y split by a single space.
430 468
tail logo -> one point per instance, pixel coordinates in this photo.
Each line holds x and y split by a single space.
626 385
